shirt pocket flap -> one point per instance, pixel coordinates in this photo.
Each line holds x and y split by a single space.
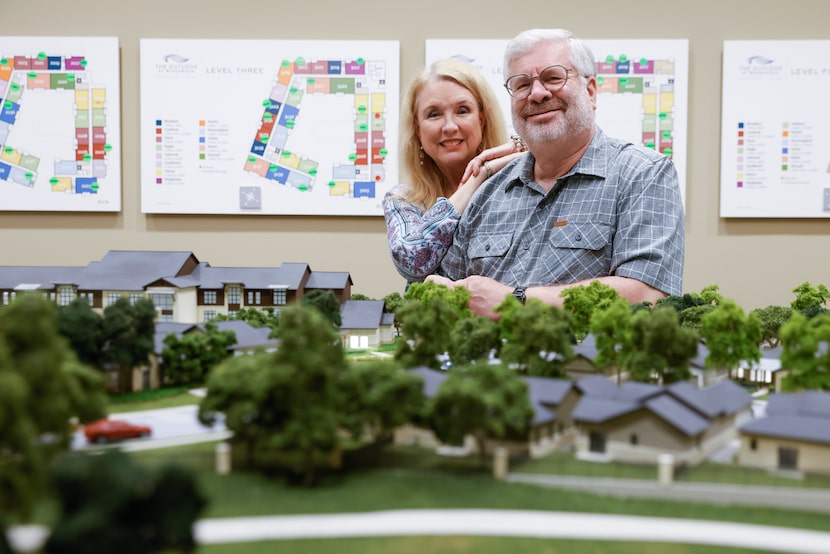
489 244
585 235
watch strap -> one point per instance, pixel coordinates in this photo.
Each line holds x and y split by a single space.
519 293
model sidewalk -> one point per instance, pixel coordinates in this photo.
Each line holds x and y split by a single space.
785 498
504 523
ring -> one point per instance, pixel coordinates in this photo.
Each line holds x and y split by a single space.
489 171
518 143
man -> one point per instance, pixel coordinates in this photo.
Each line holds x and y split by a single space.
581 206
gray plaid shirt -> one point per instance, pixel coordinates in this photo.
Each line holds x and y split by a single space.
617 212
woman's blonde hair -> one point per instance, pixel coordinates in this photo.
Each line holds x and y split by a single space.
427 181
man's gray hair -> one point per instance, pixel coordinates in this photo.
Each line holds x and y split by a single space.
580 54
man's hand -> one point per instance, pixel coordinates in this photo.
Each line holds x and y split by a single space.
486 293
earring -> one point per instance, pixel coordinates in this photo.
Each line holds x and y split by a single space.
421 154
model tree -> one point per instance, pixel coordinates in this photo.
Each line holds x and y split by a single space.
325 301
537 338
473 338
731 336
582 301
805 352
376 397
233 389
772 318
660 349
289 402
42 388
692 307
810 300
109 504
427 318
391 303
483 400
256 317
127 337
189 358
612 327
79 323
458 298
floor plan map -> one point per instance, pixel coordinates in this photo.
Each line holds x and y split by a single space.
59 124
268 127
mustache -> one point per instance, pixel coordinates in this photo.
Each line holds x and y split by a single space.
547 105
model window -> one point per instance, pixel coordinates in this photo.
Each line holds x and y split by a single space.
112 298
787 458
65 295
634 439
234 295
210 297
209 314
254 298
596 442
162 301
280 296
135 297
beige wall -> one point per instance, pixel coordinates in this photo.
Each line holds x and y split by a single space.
755 262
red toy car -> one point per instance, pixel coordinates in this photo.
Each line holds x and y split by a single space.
109 430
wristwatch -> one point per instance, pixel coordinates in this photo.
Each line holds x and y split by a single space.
519 293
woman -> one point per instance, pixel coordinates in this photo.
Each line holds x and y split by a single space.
450 115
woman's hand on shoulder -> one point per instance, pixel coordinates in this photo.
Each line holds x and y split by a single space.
492 160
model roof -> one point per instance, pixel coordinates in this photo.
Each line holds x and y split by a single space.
135 270
812 429
361 314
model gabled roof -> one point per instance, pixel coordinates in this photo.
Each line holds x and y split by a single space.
289 276
329 280
546 392
722 398
600 409
361 314
683 406
135 269
587 347
677 415
598 386
247 336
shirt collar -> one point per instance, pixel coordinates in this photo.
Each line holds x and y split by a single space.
593 162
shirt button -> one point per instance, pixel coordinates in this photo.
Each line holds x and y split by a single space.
487 247
577 237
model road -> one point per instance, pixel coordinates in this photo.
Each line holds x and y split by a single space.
170 426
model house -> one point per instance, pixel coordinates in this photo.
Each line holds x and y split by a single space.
365 324
794 434
636 422
183 289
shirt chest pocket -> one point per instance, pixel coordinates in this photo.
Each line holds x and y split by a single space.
488 245
582 235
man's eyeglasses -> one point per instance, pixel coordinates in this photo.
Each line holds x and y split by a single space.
552 78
